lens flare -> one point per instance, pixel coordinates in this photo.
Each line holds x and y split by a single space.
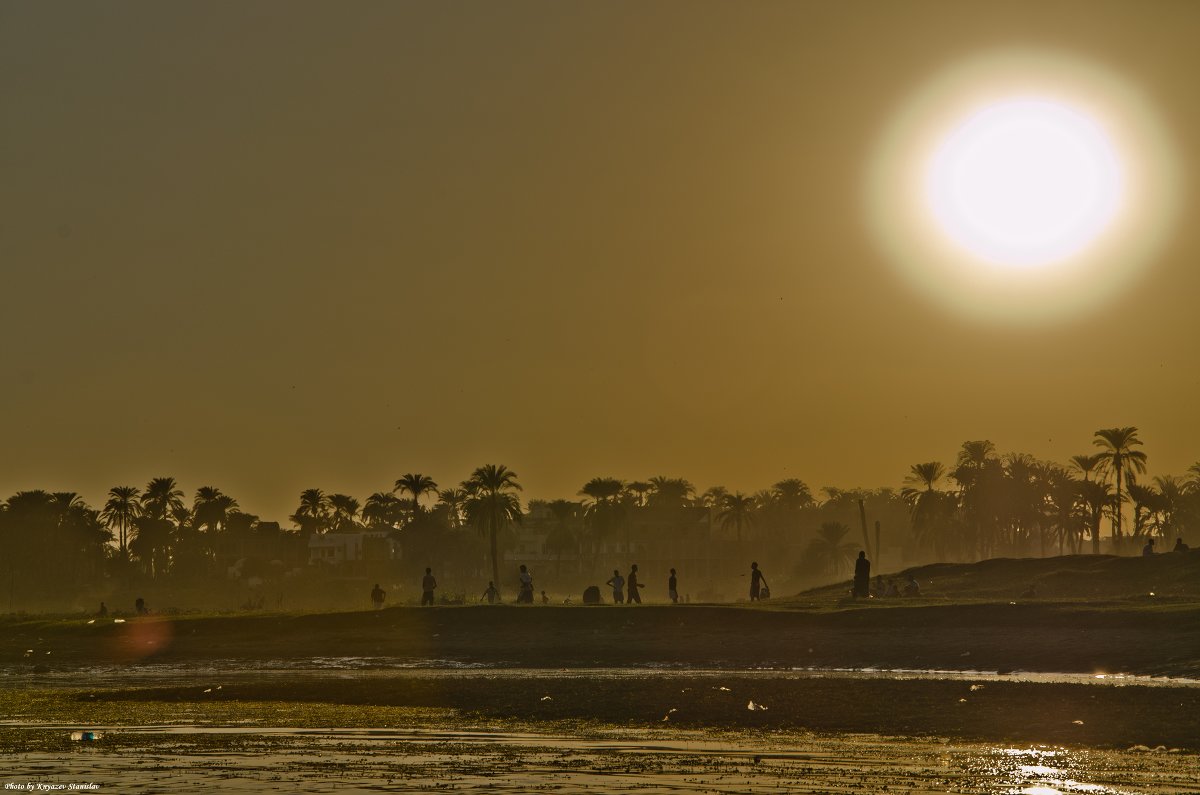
1023 187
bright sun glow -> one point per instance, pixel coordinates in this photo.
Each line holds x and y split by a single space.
1022 186
1024 182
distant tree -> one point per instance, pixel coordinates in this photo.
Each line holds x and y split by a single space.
1119 457
829 550
453 500
313 514
670 492
713 496
931 510
383 509
1096 499
417 485
737 511
120 512
1087 464
161 498
210 507
561 538
792 494
493 506
639 488
343 517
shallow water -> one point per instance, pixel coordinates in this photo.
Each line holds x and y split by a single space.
280 759
175 673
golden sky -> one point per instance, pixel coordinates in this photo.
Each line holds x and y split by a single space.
274 245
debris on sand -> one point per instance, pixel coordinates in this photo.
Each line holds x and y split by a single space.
755 707
86 736
976 687
546 698
668 715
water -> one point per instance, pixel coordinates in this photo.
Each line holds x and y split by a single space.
387 759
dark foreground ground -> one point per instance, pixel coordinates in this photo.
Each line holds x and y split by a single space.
1153 637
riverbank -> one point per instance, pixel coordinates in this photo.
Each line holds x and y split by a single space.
1148 637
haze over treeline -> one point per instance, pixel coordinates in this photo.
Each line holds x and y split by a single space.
983 503
267 246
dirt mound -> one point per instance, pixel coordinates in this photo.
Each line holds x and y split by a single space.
1070 577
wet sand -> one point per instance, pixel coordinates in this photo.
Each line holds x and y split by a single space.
1040 700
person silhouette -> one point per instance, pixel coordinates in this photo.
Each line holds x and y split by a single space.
525 595
862 576
103 611
673 588
491 594
758 581
634 587
377 596
1148 550
139 605
617 583
428 584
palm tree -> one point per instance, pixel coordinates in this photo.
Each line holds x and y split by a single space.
120 511
1119 456
829 550
415 484
639 487
671 492
210 508
493 505
737 512
930 508
313 514
382 509
714 496
452 500
1095 498
344 512
161 498
1087 464
602 489
792 494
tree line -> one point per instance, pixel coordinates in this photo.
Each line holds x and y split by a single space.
987 504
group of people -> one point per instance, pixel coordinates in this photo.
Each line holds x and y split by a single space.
625 590
1148 550
862 582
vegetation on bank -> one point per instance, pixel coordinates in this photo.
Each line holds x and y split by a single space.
60 552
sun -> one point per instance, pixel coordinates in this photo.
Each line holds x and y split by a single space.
1024 182
1022 186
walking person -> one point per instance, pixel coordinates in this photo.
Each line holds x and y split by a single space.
673 588
634 586
377 596
525 595
491 594
428 584
757 582
862 576
617 583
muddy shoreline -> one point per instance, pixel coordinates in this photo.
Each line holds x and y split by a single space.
1160 640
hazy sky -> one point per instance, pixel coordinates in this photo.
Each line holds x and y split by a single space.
274 245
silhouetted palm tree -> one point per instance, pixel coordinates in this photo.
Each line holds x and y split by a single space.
383 509
416 484
453 501
210 508
1119 456
930 509
120 511
344 513
792 494
1087 464
493 506
1096 498
737 511
161 498
713 496
639 487
831 552
671 492
313 514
